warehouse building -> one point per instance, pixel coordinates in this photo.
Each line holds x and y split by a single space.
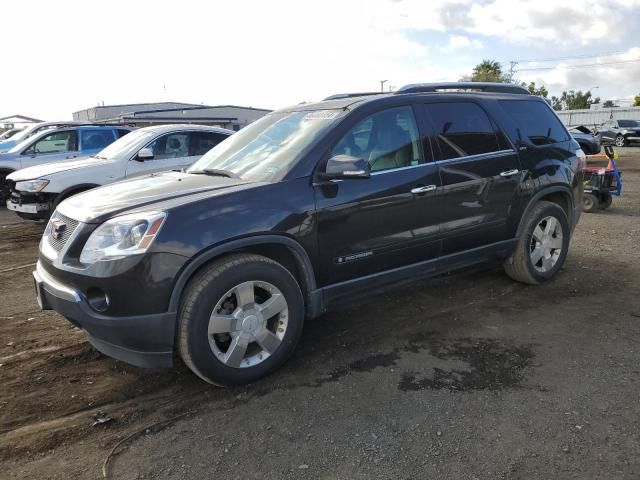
232 117
17 121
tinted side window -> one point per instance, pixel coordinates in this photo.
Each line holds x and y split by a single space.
387 139
173 145
66 141
535 120
96 138
202 142
462 129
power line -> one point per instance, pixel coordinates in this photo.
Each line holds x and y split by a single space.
579 66
571 57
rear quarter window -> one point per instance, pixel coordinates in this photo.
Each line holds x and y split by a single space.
535 121
462 129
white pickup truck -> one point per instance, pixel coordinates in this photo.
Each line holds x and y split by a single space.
36 191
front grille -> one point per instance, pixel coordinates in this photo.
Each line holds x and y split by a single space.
70 226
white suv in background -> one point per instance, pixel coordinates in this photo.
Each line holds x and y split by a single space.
36 191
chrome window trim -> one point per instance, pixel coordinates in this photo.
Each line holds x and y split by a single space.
497 153
390 170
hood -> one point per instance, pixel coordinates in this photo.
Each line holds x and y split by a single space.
584 136
96 205
48 169
7 145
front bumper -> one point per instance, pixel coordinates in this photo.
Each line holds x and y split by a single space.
31 208
37 205
142 340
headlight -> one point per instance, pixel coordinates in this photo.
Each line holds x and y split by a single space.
122 236
32 185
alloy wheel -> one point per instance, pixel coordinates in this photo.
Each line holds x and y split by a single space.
247 324
619 141
546 244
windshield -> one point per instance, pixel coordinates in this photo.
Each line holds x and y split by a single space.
267 149
628 123
21 135
125 144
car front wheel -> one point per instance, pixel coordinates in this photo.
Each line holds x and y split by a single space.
542 247
240 319
621 141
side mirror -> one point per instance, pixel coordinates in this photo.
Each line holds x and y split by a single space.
346 166
144 154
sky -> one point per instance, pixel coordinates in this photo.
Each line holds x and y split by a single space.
63 56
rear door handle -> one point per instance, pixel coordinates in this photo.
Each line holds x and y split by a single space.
423 189
510 173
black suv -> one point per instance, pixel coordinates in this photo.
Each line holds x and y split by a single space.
304 210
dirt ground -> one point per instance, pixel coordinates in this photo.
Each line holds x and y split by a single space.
469 376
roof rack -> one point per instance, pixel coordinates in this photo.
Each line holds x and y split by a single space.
338 96
476 86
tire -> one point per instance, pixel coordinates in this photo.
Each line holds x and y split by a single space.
5 191
606 201
590 202
554 234
224 284
621 141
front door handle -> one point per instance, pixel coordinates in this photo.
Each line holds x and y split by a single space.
72 156
423 189
510 173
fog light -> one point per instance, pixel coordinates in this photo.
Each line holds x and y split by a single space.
97 299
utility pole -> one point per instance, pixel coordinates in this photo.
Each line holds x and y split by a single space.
512 66
382 82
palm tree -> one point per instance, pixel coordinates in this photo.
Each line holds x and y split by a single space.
487 71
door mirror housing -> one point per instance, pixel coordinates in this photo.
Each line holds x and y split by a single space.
342 167
144 154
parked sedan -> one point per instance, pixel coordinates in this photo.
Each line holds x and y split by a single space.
589 143
52 145
619 132
36 191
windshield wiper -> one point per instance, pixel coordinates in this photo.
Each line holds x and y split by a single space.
216 172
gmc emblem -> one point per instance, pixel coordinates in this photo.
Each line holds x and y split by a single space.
57 228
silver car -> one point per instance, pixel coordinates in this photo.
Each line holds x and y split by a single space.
53 145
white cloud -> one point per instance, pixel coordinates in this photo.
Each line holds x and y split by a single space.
462 41
267 54
572 22
612 78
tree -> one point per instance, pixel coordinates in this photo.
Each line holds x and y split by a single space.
636 101
540 92
609 104
573 100
488 71
556 103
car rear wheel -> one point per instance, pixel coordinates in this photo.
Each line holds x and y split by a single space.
240 319
621 141
542 247
590 202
